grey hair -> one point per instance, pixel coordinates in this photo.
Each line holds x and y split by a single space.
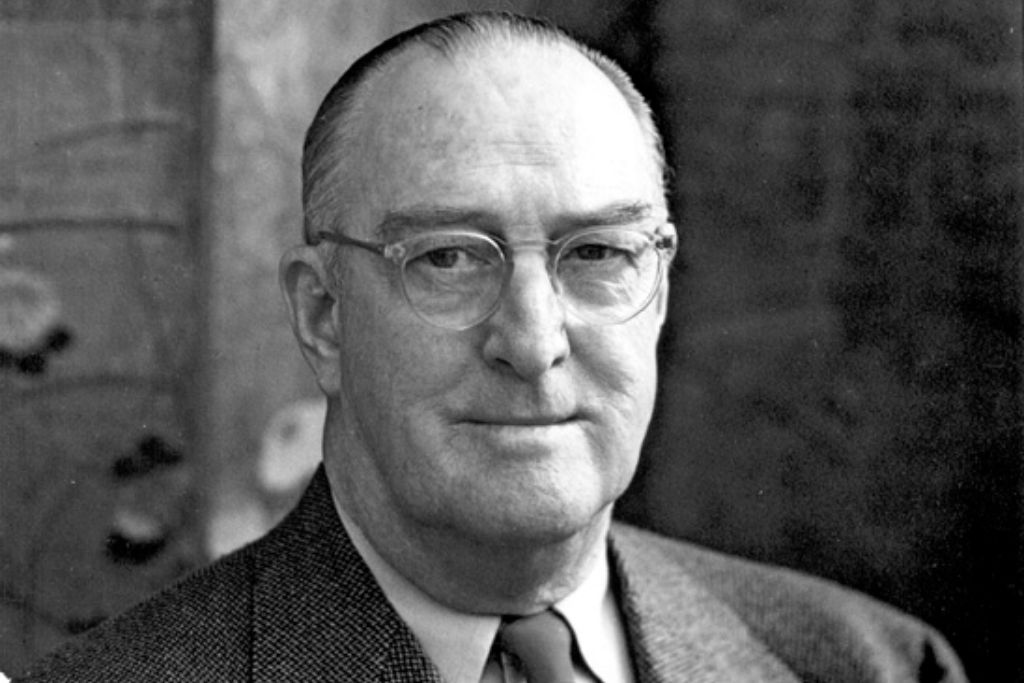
330 132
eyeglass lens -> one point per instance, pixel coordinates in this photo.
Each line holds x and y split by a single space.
604 276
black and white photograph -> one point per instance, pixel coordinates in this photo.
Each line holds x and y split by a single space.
511 341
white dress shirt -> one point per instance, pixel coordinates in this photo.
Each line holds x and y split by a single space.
460 644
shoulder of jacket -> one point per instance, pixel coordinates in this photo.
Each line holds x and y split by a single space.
798 616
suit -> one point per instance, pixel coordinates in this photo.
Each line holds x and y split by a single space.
300 604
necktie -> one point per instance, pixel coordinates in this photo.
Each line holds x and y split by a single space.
542 644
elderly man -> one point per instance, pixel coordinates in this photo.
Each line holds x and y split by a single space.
480 297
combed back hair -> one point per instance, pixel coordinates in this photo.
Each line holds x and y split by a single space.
323 154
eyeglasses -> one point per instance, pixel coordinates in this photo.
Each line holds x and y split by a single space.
455 279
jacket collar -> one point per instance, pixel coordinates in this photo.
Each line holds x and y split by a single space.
679 630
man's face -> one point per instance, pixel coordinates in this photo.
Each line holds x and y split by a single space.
528 425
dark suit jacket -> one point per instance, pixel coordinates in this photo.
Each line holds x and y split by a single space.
300 605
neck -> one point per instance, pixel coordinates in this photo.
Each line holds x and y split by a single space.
499 575
495 578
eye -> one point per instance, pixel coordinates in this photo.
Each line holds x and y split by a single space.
448 257
606 255
593 251
453 254
603 248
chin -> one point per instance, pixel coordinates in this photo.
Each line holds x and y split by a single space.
527 496
537 526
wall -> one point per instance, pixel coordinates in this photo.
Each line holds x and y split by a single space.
100 255
841 378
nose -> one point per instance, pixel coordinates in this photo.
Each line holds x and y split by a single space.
527 334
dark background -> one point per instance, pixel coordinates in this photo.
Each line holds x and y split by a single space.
841 375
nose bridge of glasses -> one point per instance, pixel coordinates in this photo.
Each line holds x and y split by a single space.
514 247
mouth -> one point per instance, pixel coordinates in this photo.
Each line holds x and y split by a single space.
523 420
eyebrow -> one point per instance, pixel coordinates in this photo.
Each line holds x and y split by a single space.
617 213
400 223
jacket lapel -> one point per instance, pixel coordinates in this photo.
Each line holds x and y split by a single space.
318 613
678 630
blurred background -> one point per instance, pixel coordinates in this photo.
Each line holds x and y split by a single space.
840 372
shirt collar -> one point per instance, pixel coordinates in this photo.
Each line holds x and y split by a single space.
594 616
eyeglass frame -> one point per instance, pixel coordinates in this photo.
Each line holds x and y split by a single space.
665 244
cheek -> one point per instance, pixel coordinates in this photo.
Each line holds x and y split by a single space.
393 365
623 359
622 367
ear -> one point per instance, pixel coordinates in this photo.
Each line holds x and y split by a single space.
304 283
661 302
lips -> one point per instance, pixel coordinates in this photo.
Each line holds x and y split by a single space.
513 415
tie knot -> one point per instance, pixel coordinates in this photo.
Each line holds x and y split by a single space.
542 646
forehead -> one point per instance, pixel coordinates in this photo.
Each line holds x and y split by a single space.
521 129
